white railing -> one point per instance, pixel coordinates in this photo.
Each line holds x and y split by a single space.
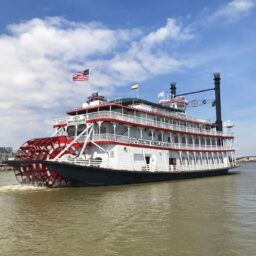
202 167
137 120
161 144
179 115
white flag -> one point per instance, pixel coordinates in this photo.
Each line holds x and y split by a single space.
135 86
160 94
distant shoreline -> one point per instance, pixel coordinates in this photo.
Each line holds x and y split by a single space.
246 161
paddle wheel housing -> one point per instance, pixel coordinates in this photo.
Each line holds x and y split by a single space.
39 174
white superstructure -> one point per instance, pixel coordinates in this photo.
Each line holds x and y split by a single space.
138 135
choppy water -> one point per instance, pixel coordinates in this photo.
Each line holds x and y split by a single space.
209 216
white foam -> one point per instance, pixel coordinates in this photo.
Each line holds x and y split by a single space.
18 187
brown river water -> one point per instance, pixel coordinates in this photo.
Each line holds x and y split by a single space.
207 216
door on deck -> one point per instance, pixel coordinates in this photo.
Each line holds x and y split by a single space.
172 163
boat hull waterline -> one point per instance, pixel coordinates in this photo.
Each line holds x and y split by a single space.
79 175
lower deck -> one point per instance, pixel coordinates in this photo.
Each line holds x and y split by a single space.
119 157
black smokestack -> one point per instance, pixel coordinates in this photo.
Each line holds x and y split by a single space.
218 101
173 90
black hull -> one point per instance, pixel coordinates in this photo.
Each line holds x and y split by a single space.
94 176
79 175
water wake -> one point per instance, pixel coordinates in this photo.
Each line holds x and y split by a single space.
18 187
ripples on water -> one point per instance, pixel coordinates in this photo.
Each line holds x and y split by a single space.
209 216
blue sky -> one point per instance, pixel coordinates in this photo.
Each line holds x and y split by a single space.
150 42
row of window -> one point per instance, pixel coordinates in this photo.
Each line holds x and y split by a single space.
203 141
71 130
212 158
195 159
187 140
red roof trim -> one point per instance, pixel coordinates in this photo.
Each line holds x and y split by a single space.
155 127
175 100
72 111
59 125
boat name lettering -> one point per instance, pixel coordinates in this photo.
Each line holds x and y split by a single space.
76 120
148 142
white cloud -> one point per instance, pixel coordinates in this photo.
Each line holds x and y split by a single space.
146 57
39 56
235 8
170 31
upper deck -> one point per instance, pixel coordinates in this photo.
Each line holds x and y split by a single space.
141 113
139 105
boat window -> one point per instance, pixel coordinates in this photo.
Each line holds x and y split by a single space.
184 160
191 160
219 142
197 159
216 158
71 131
169 139
80 128
150 134
138 157
172 161
111 129
112 154
103 129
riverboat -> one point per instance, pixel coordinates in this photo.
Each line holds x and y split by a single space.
128 140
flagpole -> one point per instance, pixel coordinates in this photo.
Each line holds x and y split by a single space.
89 80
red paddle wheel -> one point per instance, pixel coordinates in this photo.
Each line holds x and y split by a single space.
42 149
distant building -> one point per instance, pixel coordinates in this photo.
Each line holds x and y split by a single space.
5 153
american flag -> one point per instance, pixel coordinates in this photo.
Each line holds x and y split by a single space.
81 75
